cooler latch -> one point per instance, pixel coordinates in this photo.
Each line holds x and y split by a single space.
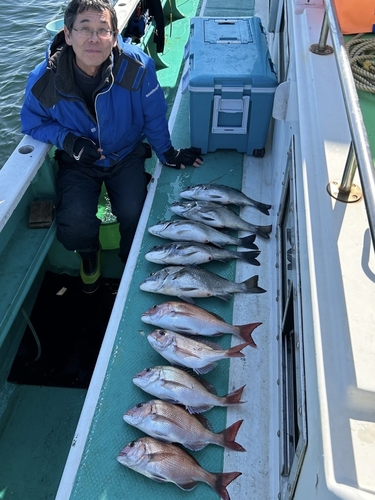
230 106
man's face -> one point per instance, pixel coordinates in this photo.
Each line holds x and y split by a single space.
91 51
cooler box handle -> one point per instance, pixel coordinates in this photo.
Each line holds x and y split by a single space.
230 106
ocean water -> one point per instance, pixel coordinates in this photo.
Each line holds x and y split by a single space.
23 39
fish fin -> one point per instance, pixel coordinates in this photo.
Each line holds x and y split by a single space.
171 400
252 285
159 457
209 343
262 207
207 385
217 245
186 331
245 332
198 409
186 298
161 479
158 479
190 371
187 486
206 218
222 480
204 421
217 316
235 397
228 437
248 242
235 352
185 353
199 371
249 257
264 231
216 198
195 446
161 437
205 369
224 296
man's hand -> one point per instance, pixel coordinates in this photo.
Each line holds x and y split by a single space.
85 151
179 158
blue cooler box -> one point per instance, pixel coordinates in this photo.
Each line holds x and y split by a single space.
232 82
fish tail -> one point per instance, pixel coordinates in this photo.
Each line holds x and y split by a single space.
248 242
251 285
234 397
228 437
264 231
222 480
245 331
249 257
262 207
235 352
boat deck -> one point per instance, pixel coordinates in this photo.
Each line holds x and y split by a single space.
92 468
126 351
335 286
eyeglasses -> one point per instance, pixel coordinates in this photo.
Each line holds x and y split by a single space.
88 33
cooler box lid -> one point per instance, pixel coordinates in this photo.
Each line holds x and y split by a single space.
229 52
227 31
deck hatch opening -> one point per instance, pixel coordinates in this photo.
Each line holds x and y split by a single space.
293 423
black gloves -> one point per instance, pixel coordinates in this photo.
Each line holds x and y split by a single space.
83 150
177 157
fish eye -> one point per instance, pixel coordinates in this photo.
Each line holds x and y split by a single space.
139 405
148 369
132 444
162 332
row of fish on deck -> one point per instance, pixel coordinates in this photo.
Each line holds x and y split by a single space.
175 417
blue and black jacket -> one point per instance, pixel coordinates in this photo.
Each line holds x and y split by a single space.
129 103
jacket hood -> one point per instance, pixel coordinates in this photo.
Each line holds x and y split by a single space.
57 44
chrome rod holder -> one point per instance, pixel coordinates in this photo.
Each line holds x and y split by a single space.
346 191
321 48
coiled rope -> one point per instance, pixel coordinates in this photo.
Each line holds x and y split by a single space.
361 53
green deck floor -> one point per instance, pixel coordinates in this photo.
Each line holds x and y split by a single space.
36 431
132 352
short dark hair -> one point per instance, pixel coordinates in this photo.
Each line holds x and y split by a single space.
75 7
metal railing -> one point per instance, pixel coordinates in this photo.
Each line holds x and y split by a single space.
360 145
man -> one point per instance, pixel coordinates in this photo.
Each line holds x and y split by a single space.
96 99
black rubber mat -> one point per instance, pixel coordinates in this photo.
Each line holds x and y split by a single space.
70 326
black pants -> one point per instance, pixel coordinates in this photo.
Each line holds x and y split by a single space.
79 189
